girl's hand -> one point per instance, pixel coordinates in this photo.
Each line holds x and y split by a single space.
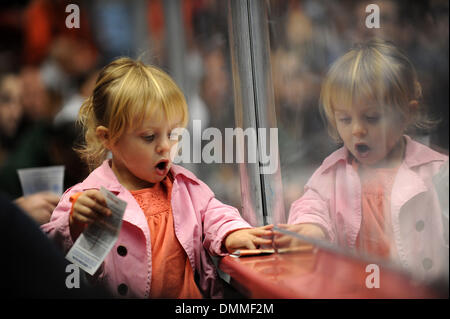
248 238
307 230
89 207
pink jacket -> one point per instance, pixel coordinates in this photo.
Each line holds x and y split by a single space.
200 222
332 199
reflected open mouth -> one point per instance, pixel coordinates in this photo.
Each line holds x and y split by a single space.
362 149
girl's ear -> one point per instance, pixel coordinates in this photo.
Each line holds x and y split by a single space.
103 135
413 108
413 104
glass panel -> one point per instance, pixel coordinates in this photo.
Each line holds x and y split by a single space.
208 88
379 199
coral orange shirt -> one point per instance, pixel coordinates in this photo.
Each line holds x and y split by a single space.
172 274
376 235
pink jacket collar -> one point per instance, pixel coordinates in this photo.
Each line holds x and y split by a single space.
104 175
415 154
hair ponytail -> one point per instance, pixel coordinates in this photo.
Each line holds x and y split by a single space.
92 151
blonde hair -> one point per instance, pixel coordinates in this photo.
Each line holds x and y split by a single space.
126 93
378 72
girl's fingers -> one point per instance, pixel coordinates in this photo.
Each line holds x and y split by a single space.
262 231
262 241
283 241
283 244
86 212
83 219
101 209
93 205
97 196
277 233
292 228
250 244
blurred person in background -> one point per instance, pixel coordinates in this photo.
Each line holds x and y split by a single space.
425 36
11 35
299 57
390 24
215 92
11 112
58 65
40 104
69 110
209 89
46 34
115 27
41 143
40 101
38 206
58 57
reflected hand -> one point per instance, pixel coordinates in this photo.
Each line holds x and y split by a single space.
39 206
249 238
308 230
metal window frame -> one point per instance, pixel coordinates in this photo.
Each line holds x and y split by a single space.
261 194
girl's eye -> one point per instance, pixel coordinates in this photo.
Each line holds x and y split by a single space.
345 120
372 119
149 138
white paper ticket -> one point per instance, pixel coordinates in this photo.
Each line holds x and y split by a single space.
94 244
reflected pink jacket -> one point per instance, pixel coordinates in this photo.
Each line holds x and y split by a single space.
200 222
332 200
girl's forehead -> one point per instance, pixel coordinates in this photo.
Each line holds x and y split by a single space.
158 122
361 105
346 99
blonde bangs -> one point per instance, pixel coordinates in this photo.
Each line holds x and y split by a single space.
166 96
145 95
338 89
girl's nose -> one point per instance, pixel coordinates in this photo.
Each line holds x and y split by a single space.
163 146
358 129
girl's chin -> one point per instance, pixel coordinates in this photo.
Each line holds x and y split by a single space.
376 163
152 179
365 159
156 178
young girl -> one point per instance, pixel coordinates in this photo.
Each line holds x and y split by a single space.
375 194
172 220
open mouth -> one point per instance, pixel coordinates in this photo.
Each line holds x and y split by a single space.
362 149
161 167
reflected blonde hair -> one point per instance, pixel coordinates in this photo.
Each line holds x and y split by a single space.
376 72
127 93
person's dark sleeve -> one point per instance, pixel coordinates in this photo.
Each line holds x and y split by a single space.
31 264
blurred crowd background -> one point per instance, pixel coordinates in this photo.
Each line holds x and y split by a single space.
47 70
